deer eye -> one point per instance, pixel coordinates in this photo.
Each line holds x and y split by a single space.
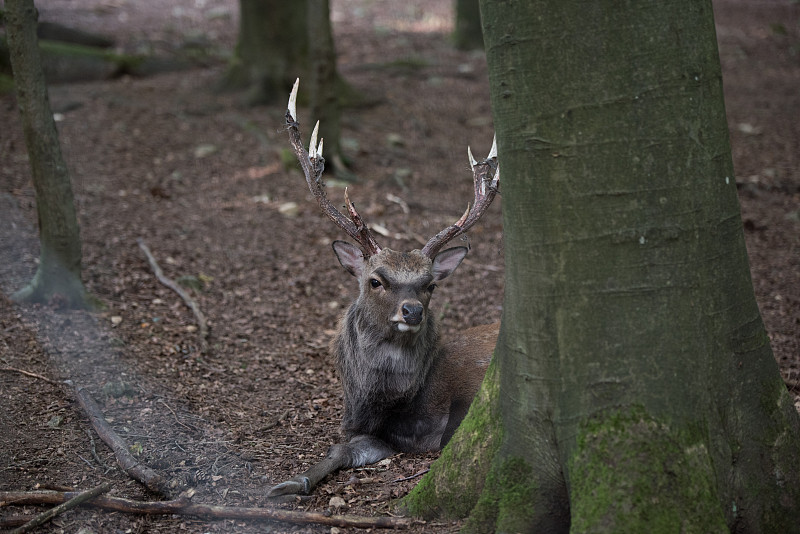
431 288
375 283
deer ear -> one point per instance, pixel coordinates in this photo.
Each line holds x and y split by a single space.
446 262
350 256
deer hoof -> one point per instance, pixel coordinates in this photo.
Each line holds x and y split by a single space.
295 486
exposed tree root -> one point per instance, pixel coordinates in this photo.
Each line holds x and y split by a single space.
152 480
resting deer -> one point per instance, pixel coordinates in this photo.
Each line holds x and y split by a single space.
403 389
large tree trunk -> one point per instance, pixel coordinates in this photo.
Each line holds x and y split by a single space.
272 50
58 275
635 389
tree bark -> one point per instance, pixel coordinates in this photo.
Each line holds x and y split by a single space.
636 388
467 34
325 88
58 276
272 50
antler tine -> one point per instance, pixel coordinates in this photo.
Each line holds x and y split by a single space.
486 176
313 165
365 238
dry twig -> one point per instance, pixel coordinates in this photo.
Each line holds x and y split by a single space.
411 477
79 498
147 476
182 506
190 302
28 373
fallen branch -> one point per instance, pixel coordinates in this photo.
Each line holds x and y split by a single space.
147 476
190 302
182 506
28 373
75 501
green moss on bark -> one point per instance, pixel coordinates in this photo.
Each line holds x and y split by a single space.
453 485
633 473
506 502
781 514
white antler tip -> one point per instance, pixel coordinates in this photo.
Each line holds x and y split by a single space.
312 145
293 100
493 151
471 157
319 148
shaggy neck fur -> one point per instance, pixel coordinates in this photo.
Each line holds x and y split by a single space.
381 369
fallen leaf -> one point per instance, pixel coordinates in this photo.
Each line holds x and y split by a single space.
289 209
336 502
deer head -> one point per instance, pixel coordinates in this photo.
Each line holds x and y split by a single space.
393 285
396 287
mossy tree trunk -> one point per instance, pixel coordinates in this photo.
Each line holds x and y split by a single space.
58 276
635 389
272 49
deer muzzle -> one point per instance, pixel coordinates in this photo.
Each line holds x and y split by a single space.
412 313
409 316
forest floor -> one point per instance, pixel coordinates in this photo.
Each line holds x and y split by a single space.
200 179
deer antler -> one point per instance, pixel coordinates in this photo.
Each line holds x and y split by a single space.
486 175
313 165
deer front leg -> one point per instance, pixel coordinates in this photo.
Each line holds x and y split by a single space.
360 450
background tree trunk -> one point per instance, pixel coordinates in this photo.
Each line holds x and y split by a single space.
324 87
58 275
272 50
467 34
635 386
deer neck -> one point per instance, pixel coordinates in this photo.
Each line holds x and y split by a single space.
377 358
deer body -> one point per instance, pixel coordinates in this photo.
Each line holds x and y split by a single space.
404 390
418 412
400 382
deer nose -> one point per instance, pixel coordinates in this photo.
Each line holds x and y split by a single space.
412 313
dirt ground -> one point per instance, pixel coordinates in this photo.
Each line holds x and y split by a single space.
199 178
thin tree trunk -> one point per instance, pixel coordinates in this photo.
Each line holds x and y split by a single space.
58 276
636 389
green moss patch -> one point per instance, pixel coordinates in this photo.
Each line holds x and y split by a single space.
632 473
506 503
